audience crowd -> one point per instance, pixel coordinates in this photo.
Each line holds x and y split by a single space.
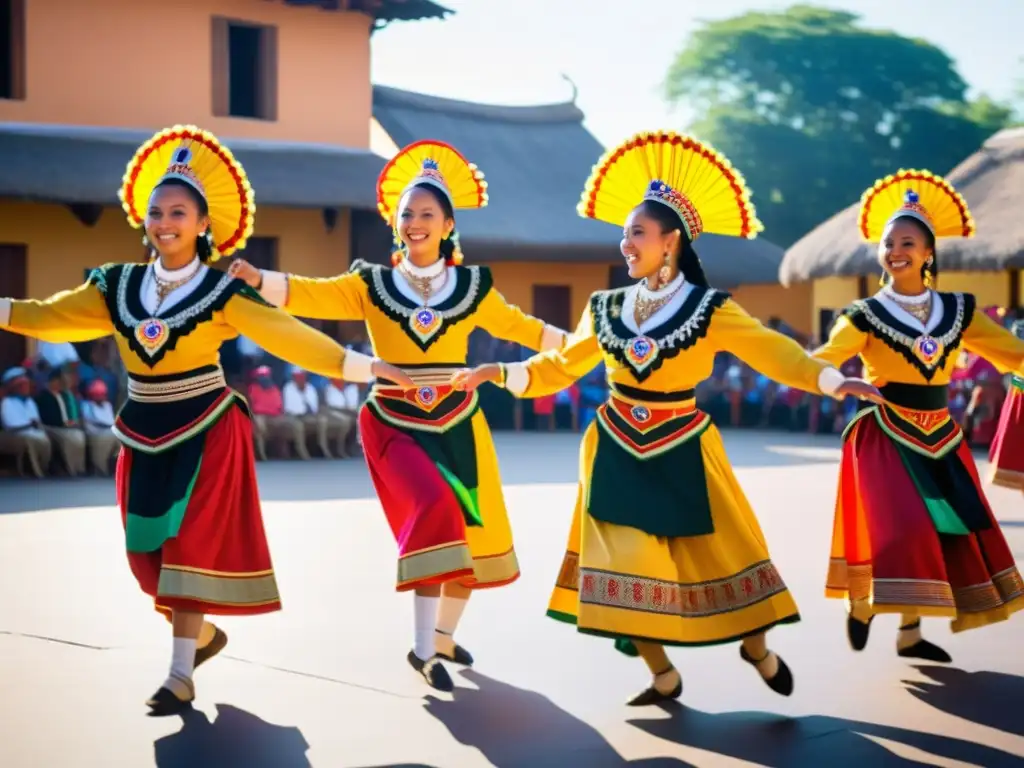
57 408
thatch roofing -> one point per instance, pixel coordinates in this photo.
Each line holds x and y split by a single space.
383 11
76 164
992 182
536 160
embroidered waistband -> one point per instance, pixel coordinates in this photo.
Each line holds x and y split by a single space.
917 397
682 399
436 375
168 389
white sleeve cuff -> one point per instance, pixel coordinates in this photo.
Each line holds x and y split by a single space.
829 380
275 287
552 338
5 312
357 367
517 378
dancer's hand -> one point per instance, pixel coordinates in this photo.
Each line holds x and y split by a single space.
382 370
243 270
860 389
468 379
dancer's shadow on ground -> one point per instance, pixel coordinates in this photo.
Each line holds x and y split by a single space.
235 739
993 699
517 728
813 740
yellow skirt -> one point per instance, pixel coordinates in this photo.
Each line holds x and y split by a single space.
620 582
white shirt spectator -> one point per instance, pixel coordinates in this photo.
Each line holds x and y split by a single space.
98 418
57 354
300 402
17 413
345 398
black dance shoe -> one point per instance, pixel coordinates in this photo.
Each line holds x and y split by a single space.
433 672
781 682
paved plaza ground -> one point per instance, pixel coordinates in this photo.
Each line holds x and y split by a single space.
325 682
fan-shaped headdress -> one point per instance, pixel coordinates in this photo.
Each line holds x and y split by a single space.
437 164
919 194
687 175
196 157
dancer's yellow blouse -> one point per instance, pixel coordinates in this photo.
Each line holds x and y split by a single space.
404 331
894 352
186 337
673 358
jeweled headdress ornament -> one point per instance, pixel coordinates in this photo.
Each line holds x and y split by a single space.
197 158
922 195
687 175
434 163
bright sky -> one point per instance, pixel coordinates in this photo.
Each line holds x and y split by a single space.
617 53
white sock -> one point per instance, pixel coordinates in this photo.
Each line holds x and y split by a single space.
449 613
425 610
183 658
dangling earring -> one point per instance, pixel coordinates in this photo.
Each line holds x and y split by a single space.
881 280
666 271
929 278
457 251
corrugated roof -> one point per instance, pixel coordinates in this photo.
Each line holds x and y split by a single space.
536 160
77 164
992 182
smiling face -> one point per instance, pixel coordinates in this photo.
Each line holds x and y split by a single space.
422 224
644 243
905 248
174 221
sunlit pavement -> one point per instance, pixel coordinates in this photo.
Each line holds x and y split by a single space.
325 682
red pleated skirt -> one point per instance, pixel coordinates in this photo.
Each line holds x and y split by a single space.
422 510
885 546
219 561
1006 453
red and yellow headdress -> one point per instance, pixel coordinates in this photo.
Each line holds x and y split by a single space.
685 174
919 194
434 163
197 158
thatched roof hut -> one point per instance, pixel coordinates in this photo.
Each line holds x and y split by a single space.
991 180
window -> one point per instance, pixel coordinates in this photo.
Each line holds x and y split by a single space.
552 304
244 70
12 49
13 282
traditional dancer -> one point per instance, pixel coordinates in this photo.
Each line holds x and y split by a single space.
914 534
186 477
429 451
664 548
1006 454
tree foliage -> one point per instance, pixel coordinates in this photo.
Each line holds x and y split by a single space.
812 107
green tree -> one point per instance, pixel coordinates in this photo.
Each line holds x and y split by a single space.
812 107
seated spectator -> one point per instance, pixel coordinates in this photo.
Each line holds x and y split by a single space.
98 418
23 433
98 366
58 411
342 401
302 401
268 417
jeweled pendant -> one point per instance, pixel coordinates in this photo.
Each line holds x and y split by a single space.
641 351
425 322
151 334
927 350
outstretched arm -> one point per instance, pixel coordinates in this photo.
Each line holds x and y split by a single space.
776 356
285 337
545 373
328 298
844 342
507 321
986 338
77 315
